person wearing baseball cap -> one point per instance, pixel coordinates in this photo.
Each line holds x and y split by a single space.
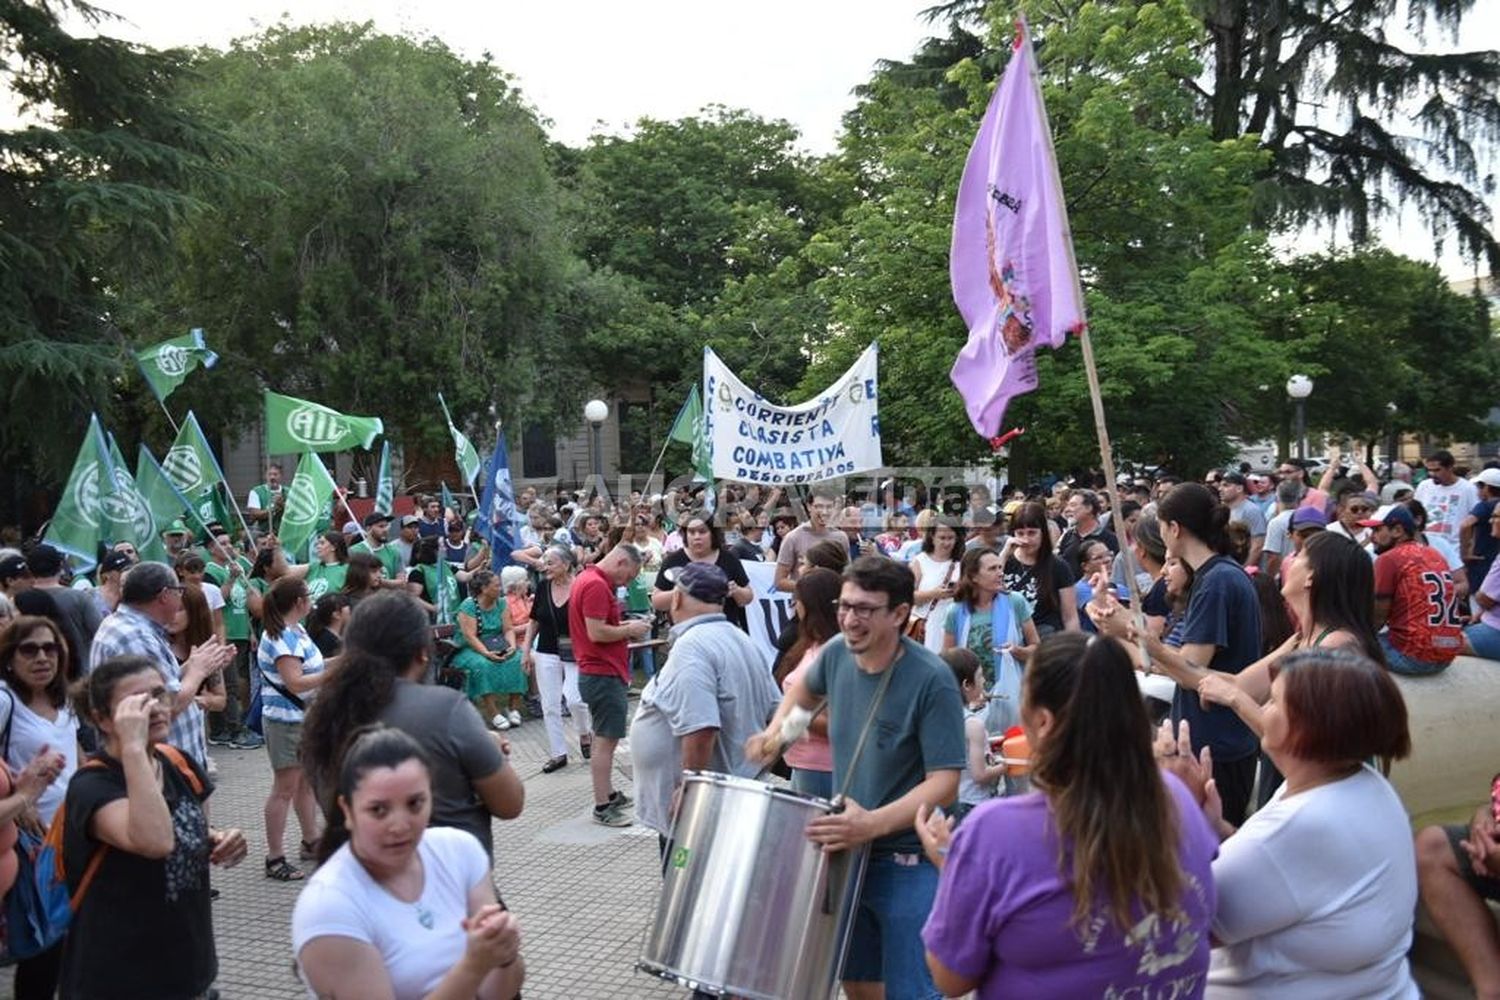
15 575
1414 596
698 712
1234 492
111 573
376 542
1477 544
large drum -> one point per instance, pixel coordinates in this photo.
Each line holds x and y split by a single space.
749 906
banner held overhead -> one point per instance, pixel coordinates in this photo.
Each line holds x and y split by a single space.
836 433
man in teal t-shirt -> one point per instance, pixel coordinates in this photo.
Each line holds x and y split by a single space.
377 532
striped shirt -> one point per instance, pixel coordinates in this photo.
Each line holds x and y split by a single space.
128 632
293 642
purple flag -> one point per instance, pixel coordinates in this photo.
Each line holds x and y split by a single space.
1014 278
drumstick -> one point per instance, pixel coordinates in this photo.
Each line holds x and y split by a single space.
774 747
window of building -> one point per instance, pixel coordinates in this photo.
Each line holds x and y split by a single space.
538 453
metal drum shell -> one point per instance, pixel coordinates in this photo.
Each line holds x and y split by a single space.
749 907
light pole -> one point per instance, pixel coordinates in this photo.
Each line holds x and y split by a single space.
1299 387
596 411
1393 437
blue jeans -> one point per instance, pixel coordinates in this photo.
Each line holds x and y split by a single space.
886 945
819 783
1400 663
1483 640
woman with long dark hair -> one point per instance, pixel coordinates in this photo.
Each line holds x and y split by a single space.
363 577
1034 572
936 570
329 618
399 910
380 678
193 626
1331 592
329 568
1099 877
703 542
1220 632
814 599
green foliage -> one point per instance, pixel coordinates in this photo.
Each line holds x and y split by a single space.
400 236
94 180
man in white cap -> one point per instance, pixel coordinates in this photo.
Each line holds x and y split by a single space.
1477 544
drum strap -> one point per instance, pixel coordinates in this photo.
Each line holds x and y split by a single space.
864 734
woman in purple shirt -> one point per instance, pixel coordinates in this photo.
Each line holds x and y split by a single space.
1100 884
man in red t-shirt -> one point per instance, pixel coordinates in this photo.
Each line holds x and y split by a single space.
1413 596
600 643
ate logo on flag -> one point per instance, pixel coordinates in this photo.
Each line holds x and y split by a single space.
172 360
119 505
183 467
301 502
315 426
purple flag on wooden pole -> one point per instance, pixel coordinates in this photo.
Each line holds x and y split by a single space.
1014 278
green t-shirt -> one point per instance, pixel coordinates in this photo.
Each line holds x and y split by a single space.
325 578
638 594
388 554
236 605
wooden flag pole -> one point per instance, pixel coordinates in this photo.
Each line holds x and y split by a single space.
1107 459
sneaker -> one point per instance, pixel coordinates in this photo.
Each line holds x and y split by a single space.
514 717
611 815
620 800
248 740
220 740
500 722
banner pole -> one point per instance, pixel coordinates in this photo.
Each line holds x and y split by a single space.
1107 459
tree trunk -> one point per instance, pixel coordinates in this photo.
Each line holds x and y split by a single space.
1226 24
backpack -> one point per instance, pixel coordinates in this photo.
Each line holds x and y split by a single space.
56 833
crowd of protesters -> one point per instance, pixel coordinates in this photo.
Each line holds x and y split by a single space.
1257 618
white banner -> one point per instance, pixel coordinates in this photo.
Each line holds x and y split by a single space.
837 433
769 613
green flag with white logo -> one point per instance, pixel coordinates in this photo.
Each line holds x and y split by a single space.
162 498
78 524
191 466
127 515
167 364
294 425
307 499
385 483
690 429
464 453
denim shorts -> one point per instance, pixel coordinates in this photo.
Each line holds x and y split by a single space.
886 944
1485 641
1408 666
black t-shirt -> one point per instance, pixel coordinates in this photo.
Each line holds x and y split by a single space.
1072 541
1046 609
1156 603
551 621
732 567
144 928
328 643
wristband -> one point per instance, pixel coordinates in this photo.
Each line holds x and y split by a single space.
795 724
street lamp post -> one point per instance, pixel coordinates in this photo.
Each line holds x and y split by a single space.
1299 387
1393 438
596 411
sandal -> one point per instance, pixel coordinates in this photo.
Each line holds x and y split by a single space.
554 764
278 869
308 851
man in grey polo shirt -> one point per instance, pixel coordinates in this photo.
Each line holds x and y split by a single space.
714 692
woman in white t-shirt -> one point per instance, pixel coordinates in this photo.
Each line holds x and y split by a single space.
1318 889
398 911
936 570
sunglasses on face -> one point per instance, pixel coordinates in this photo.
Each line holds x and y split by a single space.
36 649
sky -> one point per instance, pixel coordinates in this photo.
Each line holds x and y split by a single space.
594 66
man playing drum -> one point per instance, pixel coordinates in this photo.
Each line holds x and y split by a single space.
895 715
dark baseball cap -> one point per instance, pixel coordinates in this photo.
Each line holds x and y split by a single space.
1391 515
115 561
702 581
376 517
1233 477
1308 517
13 567
45 561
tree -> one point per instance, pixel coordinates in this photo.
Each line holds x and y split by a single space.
104 169
399 235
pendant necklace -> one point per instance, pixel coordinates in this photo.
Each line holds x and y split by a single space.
424 915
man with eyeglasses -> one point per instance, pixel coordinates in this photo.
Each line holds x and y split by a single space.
150 598
803 537
874 676
1353 506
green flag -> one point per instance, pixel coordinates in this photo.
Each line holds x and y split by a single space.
689 429
298 425
127 515
167 364
163 500
385 484
464 453
194 471
307 499
450 504
78 523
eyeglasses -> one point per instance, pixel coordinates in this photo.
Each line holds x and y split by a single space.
1361 509
35 649
859 612
174 586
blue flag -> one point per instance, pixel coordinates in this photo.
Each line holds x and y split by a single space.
497 508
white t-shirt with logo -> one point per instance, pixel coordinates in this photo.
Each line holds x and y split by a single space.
1447 506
